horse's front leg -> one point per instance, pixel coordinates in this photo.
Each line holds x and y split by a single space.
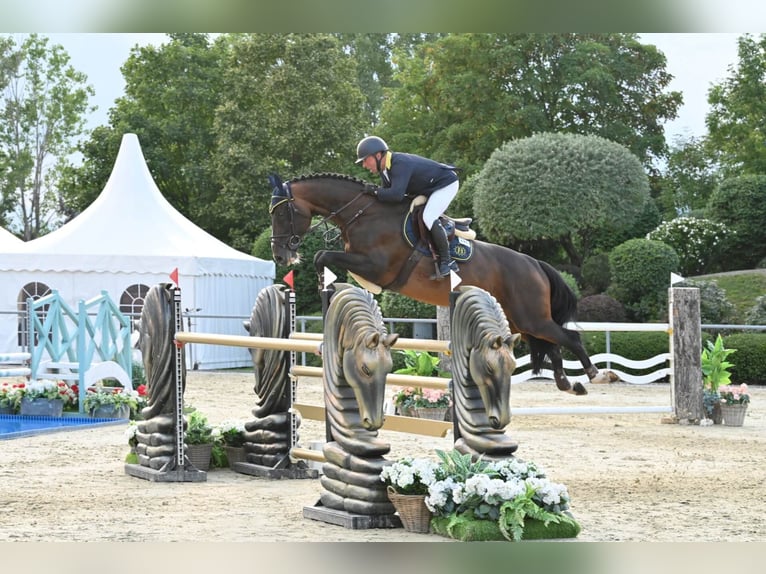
363 265
562 382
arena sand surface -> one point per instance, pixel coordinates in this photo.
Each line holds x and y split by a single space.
630 477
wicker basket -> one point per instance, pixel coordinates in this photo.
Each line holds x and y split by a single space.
433 413
235 454
412 510
199 455
733 415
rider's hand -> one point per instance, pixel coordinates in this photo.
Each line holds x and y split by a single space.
370 189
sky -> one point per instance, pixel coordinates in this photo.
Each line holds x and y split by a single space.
696 60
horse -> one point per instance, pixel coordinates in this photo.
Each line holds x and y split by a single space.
534 297
482 363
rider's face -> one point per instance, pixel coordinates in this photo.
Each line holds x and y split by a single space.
370 163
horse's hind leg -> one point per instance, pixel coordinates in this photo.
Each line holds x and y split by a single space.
562 382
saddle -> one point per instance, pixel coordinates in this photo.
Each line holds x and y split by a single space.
459 233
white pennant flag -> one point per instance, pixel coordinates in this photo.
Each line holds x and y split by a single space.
674 278
329 277
454 280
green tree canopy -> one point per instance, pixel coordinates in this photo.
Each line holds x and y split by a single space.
737 119
559 187
461 96
41 114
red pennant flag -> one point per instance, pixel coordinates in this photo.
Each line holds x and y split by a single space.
174 276
289 279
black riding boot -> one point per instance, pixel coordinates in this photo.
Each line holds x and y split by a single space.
439 236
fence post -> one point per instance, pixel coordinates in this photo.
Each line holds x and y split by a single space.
686 352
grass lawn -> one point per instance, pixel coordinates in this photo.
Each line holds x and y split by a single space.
742 288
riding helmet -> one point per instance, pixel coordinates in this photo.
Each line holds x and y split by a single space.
369 146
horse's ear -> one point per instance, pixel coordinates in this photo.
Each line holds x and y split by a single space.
372 340
512 340
275 181
390 339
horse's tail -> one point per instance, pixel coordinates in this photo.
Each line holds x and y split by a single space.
563 310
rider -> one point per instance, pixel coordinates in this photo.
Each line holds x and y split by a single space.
405 175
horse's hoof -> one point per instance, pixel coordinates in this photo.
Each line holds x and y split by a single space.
579 389
604 378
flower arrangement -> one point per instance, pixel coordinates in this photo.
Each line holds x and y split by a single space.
10 395
409 475
411 397
232 433
50 390
198 429
462 491
734 395
100 396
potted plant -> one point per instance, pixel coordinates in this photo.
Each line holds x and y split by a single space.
407 483
734 401
198 439
404 400
110 402
432 404
715 372
497 500
232 435
44 398
10 397
131 436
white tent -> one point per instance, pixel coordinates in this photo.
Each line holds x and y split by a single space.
131 236
8 239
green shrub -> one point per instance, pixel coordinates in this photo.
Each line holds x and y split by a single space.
750 359
571 281
698 242
600 308
596 273
395 305
715 307
640 277
636 346
756 315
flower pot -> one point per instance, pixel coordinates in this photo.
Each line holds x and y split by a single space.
235 454
433 413
717 415
41 407
412 510
733 415
111 412
199 455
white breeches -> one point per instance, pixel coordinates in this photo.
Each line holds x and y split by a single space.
438 202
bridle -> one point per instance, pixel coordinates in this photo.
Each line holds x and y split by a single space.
282 195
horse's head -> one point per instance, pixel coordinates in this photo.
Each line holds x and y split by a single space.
289 223
491 364
365 365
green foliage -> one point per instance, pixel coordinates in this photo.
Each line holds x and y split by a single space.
714 305
198 429
741 289
740 204
751 357
699 243
715 367
596 273
42 111
420 363
461 96
558 186
690 177
640 274
600 308
734 122
395 305
756 315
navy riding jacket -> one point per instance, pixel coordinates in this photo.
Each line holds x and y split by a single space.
411 175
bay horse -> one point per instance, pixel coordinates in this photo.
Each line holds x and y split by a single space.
533 295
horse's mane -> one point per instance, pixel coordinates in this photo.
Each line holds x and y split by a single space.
340 176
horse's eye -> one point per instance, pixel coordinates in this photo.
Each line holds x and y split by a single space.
366 370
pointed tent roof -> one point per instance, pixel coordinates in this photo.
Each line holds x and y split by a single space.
8 239
130 228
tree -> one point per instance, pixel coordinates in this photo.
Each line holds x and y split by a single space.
171 94
689 179
292 105
43 112
736 122
464 95
561 187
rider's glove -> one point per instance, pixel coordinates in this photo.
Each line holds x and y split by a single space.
370 189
